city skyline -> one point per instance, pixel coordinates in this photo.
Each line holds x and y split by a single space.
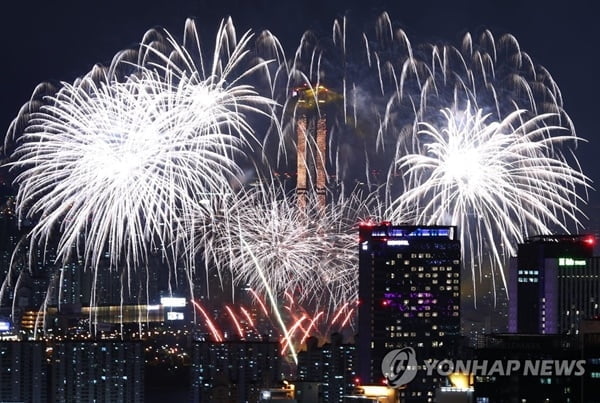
136 227
119 227
174 223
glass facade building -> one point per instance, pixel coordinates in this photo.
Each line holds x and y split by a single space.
409 296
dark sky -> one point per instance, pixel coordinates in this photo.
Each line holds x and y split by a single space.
60 40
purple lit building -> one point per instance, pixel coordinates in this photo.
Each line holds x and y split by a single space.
409 291
554 283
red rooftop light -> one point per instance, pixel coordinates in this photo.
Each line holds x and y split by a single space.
589 240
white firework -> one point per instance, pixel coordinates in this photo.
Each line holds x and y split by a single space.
111 165
497 180
309 253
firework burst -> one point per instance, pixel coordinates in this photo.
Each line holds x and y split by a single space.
307 252
490 91
112 163
497 180
148 153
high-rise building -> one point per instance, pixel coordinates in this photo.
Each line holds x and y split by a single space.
331 366
23 372
409 292
109 371
561 383
554 283
234 371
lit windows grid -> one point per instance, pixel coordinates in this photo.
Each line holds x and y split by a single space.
579 293
409 290
426 314
528 276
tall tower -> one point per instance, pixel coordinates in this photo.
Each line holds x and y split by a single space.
311 134
409 293
554 283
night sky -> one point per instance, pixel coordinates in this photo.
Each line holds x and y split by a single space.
60 40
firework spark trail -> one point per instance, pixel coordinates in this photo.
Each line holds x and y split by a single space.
249 319
296 310
235 321
262 305
287 340
348 318
337 315
272 299
210 324
312 325
292 247
292 333
290 298
497 180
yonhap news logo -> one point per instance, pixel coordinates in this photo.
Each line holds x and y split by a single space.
400 367
506 367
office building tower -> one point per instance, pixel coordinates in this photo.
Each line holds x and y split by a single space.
554 283
409 295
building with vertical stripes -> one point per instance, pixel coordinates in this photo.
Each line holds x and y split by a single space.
554 284
103 371
23 372
234 371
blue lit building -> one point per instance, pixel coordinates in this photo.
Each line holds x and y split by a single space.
409 292
554 283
